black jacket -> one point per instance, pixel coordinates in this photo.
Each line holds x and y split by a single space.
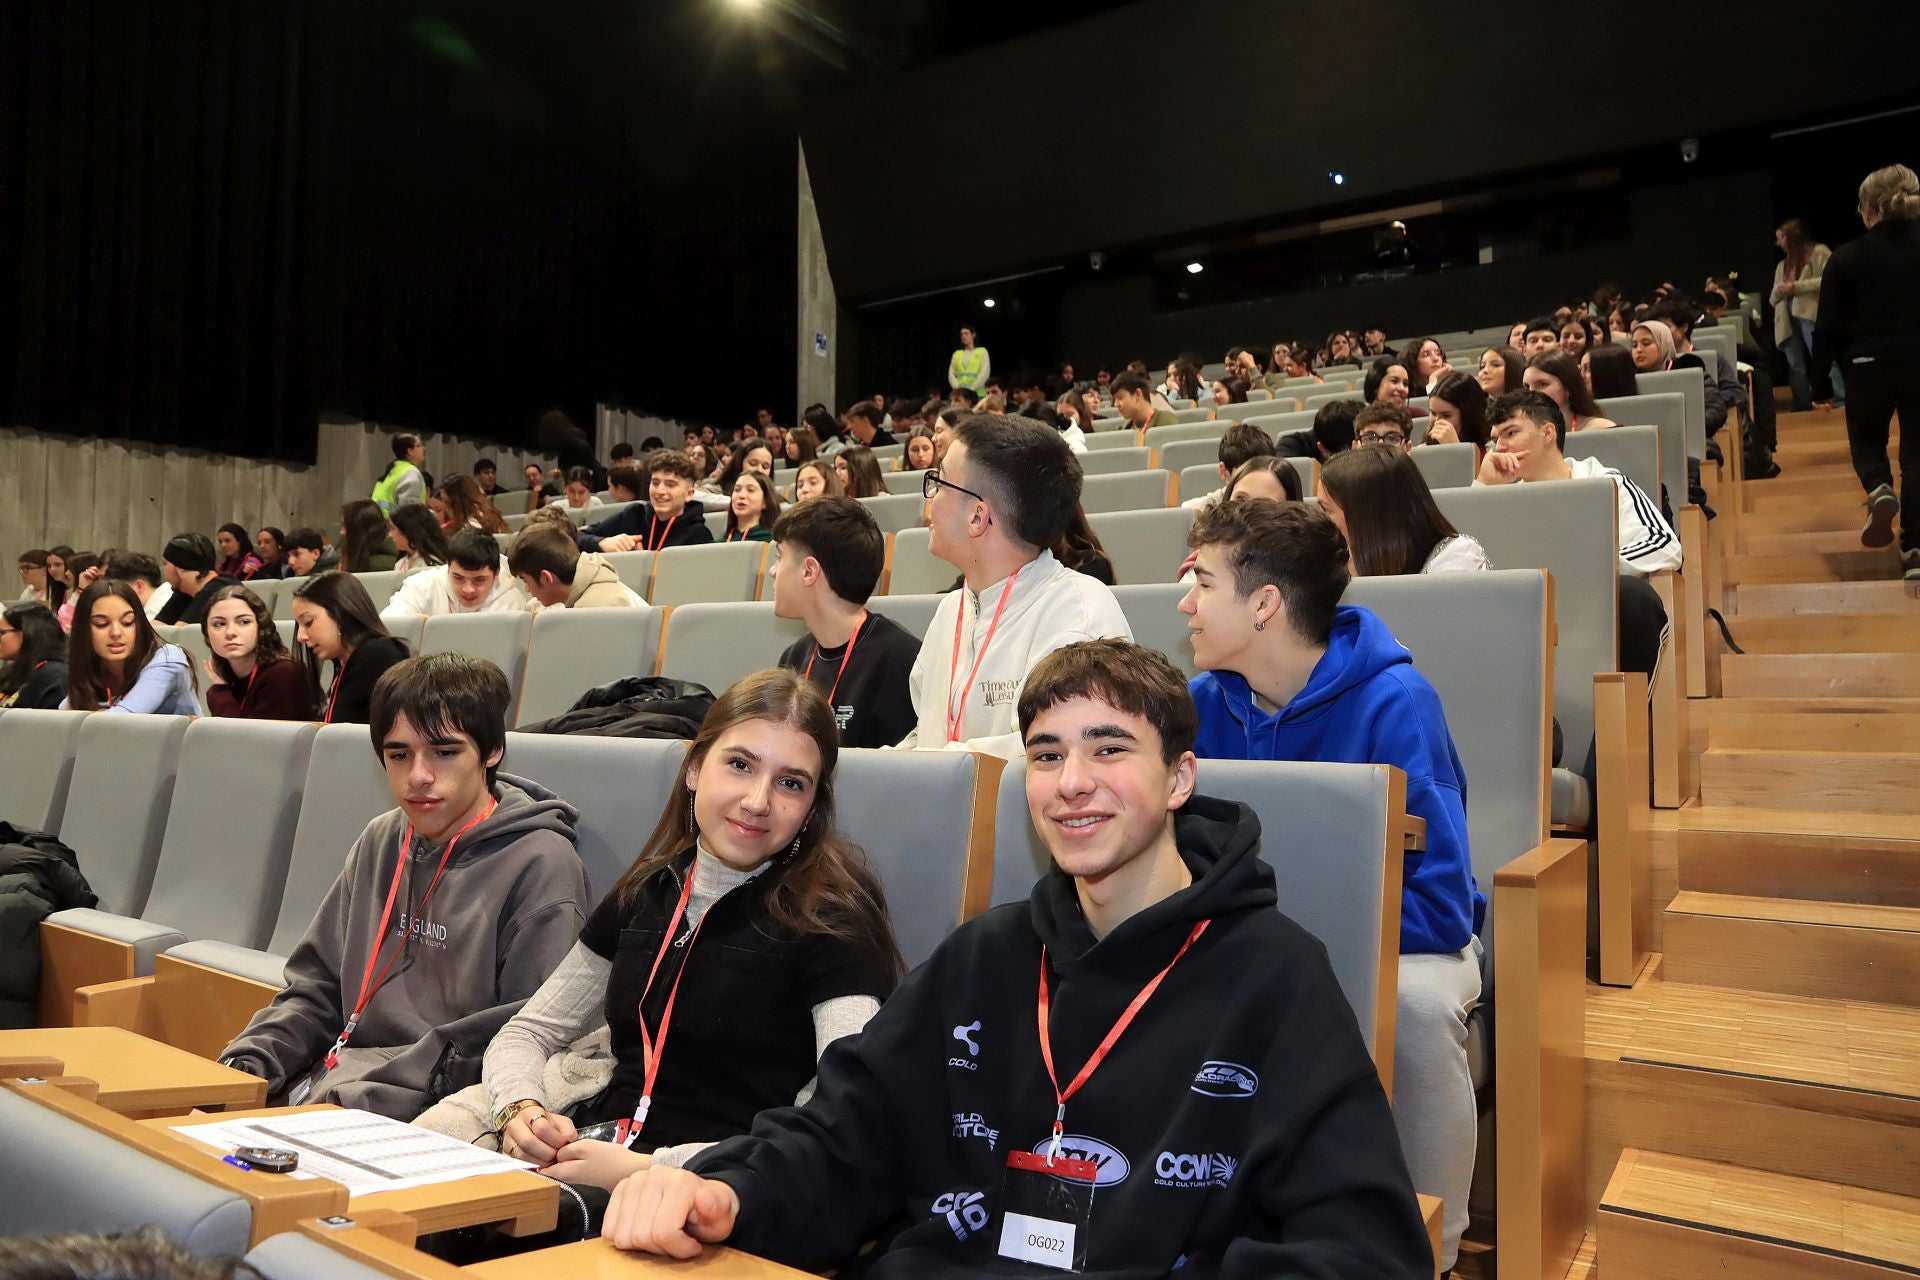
873 700
636 707
38 876
1870 296
45 689
187 610
1238 1125
688 529
352 695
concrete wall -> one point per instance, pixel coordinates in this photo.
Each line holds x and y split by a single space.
819 307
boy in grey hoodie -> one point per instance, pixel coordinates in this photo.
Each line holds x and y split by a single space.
451 910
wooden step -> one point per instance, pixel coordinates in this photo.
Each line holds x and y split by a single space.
1821 675
1812 724
1794 947
1586 1264
1857 565
1824 542
1825 632
1821 868
1850 781
1669 1217
1825 597
1802 517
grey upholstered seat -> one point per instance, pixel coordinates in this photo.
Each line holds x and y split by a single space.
38 748
1124 491
116 829
915 569
913 613
1144 546
293 1256
895 511
1106 462
1445 466
694 575
573 650
500 638
1691 384
716 644
619 785
1632 451
1100 440
1667 411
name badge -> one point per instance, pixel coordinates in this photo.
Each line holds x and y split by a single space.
1046 1210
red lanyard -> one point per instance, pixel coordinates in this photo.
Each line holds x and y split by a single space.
369 984
652 523
1100 1053
627 1130
109 697
954 717
333 695
248 693
860 622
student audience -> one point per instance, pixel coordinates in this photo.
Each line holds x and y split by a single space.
1458 406
35 650
1380 502
1242 441
117 662
859 473
417 536
373 1013
1289 673
270 545
366 546
191 574
1556 375
473 580
918 454
754 508
237 558
309 554
254 677
33 576
1542 334
1004 496
664 520
335 621
549 564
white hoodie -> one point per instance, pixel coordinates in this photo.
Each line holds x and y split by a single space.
1052 606
429 593
1647 542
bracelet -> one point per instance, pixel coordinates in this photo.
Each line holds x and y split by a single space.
505 1115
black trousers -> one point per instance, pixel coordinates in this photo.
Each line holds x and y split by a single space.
1763 435
1643 626
1876 390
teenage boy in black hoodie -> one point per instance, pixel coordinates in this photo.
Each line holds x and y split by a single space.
830 554
1234 1127
666 519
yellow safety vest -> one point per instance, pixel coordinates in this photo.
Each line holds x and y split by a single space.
387 491
969 363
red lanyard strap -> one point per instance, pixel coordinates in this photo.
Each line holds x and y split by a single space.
1100 1053
859 622
333 696
653 523
369 984
628 1130
959 617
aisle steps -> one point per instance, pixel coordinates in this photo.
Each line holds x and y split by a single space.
1795 947
1856 781
1823 675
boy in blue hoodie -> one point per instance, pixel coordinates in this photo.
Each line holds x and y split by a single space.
1289 673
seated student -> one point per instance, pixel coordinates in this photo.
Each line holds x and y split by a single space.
918 455
235 549
1289 673
1608 372
1426 364
1387 382
190 572
801 953
577 493
143 573
1243 441
828 559
1722 389
1229 390
1526 446
859 473
1555 375
1005 494
550 565
863 424
83 570
309 554
624 484
1332 432
1380 502
486 474
1458 412
417 537
255 678
270 543
473 580
365 543
377 1001
540 490
1383 423
33 576
1143 931
754 508
665 520
816 479
116 662
1542 334
1501 370
1133 398
334 621
1080 550
35 651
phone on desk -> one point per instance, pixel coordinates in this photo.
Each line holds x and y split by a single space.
268 1159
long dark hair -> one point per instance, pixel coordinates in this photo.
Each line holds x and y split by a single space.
1078 543
805 445
241 536
1279 468
41 640
468 501
737 461
57 590
364 525
1613 372
1464 394
351 609
1392 522
864 479
1184 382
1513 366
86 673
427 544
267 648
826 887
769 497
1565 370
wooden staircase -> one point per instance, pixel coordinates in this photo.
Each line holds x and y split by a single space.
1754 1099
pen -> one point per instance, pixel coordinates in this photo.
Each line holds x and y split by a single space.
237 1163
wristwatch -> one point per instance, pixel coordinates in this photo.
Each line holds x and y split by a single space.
512 1109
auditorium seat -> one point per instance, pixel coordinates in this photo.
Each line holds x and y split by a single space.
715 644
619 785
283 601
934 856
717 524
1334 836
1446 466
574 650
39 748
408 627
695 575
1279 424
115 828
1154 618
515 520
1200 412
1283 402
904 481
500 638
1632 451
1126 491
913 569
1109 439
1313 402
1161 437
594 512
381 586
1177 455
1666 411
888 452
1106 462
1691 385
270 590
635 569
287 628
914 614
895 511
194 641
292 1255
1144 546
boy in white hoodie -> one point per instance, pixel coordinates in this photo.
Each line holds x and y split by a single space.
1001 498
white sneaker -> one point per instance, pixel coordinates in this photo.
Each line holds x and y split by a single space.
1882 507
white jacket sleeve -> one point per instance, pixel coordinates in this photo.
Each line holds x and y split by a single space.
1647 542
414 599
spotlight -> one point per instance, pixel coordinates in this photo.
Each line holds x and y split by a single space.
986 302
745 6
1336 177
1194 268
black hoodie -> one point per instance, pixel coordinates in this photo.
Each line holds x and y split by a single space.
1238 1125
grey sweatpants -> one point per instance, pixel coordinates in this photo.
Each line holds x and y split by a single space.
1433 1104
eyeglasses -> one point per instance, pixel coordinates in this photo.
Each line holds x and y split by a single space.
1381 437
931 484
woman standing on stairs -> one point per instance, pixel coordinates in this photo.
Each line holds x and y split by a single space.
1869 322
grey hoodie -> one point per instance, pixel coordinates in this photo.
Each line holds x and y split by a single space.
509 907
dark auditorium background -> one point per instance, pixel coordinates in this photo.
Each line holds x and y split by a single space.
223 219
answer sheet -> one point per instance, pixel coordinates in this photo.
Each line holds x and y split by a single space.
362 1151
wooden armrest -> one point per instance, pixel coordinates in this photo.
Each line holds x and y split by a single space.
71 959
203 1010
353 1235
126 1004
1667 722
30 1066
1622 819
1414 836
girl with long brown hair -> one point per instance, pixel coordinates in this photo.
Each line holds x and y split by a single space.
747 901
117 662
254 676
1381 502
471 507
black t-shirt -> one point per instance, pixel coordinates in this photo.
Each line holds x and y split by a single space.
874 704
186 610
741 1039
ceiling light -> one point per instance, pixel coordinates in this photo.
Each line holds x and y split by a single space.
986 302
1194 268
1336 177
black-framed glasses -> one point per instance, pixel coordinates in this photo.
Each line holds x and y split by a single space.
932 482
1381 437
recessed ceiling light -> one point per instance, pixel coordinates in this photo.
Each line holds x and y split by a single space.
1336 177
1194 268
986 302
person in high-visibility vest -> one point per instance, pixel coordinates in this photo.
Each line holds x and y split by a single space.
970 365
404 481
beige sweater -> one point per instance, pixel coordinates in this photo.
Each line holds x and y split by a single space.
1803 300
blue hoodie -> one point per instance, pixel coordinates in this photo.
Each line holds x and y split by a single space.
1365 704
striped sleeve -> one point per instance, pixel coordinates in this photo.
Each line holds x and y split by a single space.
1647 542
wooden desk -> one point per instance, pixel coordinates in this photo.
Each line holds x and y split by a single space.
137 1076
520 1203
598 1260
